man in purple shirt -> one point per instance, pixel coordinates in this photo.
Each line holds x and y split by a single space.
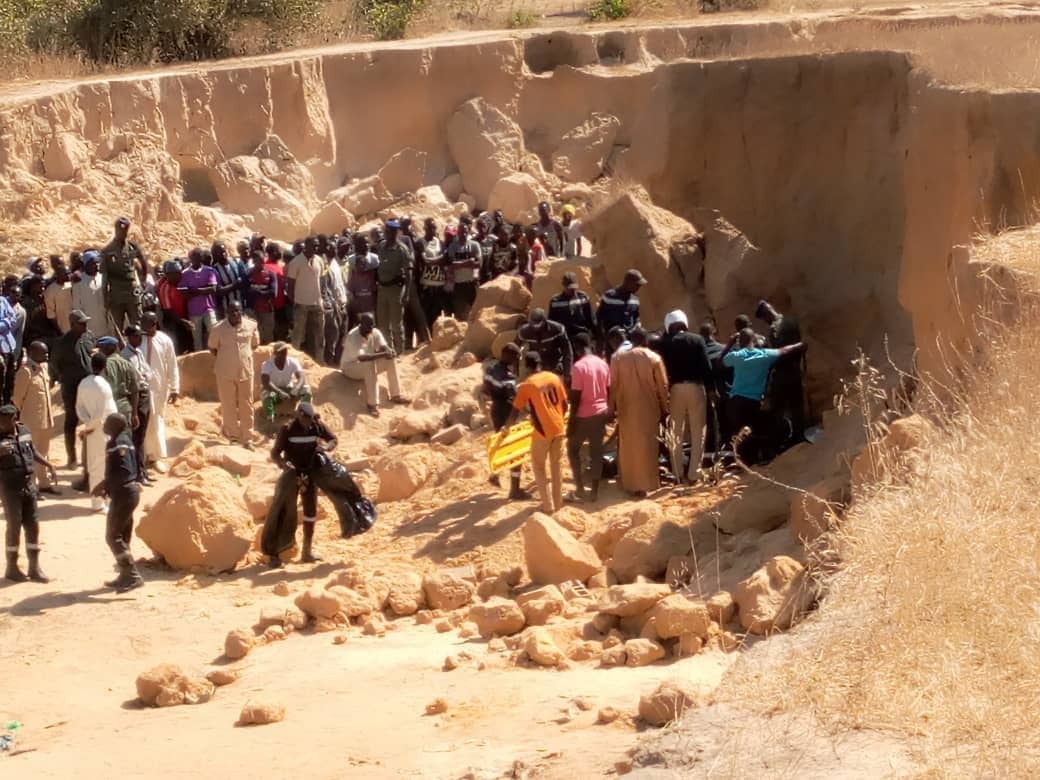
198 283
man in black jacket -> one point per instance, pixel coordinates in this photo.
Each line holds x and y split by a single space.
549 341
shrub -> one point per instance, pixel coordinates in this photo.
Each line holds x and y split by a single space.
521 18
388 20
607 10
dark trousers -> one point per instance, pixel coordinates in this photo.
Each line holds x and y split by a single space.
787 404
68 400
144 414
333 335
309 500
20 511
582 430
282 323
8 365
435 302
747 413
462 297
119 524
415 322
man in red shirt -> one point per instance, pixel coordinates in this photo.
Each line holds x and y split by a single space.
282 318
174 306
262 288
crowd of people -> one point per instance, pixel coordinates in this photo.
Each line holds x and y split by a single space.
107 327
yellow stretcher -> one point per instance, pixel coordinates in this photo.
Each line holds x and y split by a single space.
509 448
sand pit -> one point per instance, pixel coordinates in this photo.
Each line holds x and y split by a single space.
476 635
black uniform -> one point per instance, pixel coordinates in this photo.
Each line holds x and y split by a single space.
785 397
617 308
70 364
551 344
18 491
575 314
500 387
124 493
299 447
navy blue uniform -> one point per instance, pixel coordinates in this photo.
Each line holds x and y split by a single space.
18 490
124 494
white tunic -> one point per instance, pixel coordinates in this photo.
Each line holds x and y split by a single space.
94 403
166 380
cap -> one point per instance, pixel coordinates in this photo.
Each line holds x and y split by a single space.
90 256
33 261
569 209
108 341
172 266
123 222
8 410
278 346
635 275
570 280
78 315
675 317
307 409
393 223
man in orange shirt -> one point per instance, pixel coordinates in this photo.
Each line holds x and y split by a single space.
545 397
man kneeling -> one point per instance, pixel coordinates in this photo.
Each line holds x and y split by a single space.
366 355
282 380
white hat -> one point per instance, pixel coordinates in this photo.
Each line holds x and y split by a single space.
673 317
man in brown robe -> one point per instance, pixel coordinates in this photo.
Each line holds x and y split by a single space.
639 399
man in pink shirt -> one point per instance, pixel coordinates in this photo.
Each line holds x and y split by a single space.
590 384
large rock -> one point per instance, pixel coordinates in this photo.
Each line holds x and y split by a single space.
200 524
318 602
616 523
484 327
497 617
583 151
447 332
894 455
65 157
363 196
256 713
541 604
236 461
238 643
448 589
417 422
552 555
643 652
761 506
486 146
538 643
644 551
669 701
634 599
816 511
331 219
243 187
517 196
400 476
406 595
504 291
632 232
168 685
773 597
676 615
404 172
548 280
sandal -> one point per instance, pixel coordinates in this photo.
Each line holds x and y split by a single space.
574 498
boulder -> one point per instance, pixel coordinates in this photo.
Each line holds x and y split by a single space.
631 232
644 551
538 643
318 602
816 511
773 597
236 461
504 291
404 172
363 196
167 685
677 615
447 333
893 456
257 713
452 187
65 157
244 185
486 146
643 652
761 506
583 151
447 590
202 523
351 603
484 326
286 614
669 701
620 521
406 595
634 599
450 435
605 578
497 617
417 422
687 645
238 643
548 280
541 604
517 196
222 677
552 555
432 200
503 338
331 219
400 476
721 607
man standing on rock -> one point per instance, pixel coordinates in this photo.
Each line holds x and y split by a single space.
786 393
123 266
590 412
572 309
94 404
70 365
161 356
464 260
548 340
133 353
233 341
432 274
366 355
124 493
122 378
545 397
550 231
571 233
303 280
198 282
295 451
88 294
500 381
32 396
57 298
362 283
619 306
639 400
18 493
395 267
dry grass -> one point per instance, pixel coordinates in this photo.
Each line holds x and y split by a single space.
930 628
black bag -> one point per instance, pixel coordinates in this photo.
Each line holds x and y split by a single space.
279 532
356 513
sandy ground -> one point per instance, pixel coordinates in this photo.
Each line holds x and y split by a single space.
72 650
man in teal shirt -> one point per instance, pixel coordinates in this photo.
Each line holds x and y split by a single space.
751 366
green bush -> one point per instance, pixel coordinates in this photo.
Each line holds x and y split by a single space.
521 18
388 20
607 10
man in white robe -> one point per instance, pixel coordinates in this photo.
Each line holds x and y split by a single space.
161 355
94 403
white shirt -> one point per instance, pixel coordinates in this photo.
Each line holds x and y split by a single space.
355 345
571 234
306 276
339 287
88 295
94 402
282 377
162 357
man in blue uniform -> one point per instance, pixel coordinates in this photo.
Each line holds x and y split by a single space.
124 491
19 493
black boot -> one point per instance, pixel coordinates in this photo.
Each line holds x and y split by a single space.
13 573
309 556
35 572
128 579
516 493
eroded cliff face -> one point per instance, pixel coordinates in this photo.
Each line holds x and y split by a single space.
853 173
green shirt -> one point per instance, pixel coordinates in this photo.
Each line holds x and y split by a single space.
394 262
122 377
117 265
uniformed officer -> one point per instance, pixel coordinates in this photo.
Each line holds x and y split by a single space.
572 309
18 493
619 306
500 380
124 492
296 448
123 266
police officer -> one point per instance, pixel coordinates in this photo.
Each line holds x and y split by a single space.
573 309
296 448
500 381
123 266
18 492
619 306
548 340
124 492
